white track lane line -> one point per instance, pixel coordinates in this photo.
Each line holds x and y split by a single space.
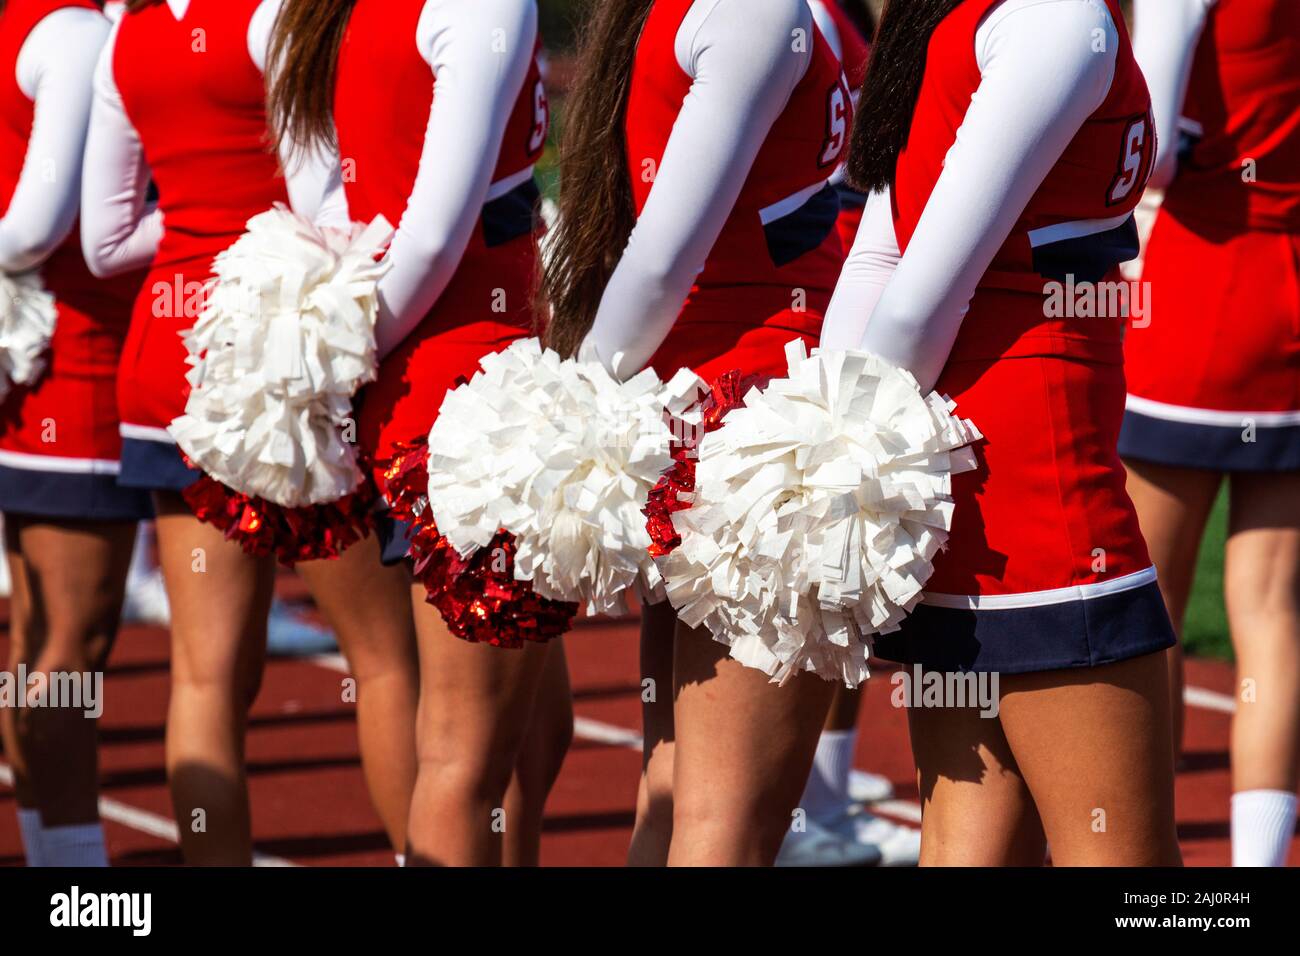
1208 700
908 810
614 736
144 821
595 730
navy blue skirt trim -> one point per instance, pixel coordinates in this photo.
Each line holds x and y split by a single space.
1079 633
394 538
71 495
155 466
1243 447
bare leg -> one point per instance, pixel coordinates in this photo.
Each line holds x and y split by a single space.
19 651
1095 749
69 583
220 598
1262 581
653 831
744 749
476 702
845 704
1173 506
976 809
369 608
550 732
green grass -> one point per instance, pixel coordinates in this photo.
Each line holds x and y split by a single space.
1205 631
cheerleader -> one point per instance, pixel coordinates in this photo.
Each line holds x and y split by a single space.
1214 365
1007 143
700 140
353 74
68 527
180 99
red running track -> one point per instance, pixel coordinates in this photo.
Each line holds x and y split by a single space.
310 805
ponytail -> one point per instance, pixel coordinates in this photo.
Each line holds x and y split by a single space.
597 207
302 68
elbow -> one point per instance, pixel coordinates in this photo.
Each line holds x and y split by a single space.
99 260
27 252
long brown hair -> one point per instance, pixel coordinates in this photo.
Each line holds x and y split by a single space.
597 208
302 67
892 85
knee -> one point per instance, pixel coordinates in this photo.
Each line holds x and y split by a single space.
1254 595
64 652
709 832
472 771
559 736
237 688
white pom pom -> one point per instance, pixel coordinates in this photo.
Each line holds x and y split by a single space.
561 455
285 339
27 316
818 508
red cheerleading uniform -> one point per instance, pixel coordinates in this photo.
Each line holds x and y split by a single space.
1046 567
488 303
1214 367
59 443
201 119
779 243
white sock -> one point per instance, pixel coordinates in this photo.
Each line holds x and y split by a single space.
827 790
400 858
81 844
29 826
1263 822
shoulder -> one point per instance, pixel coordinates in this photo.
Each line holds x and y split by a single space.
759 30
67 37
1081 34
74 24
508 22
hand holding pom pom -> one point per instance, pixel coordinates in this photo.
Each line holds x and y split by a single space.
283 343
477 595
561 455
27 317
818 507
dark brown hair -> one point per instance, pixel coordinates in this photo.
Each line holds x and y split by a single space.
303 66
597 209
133 5
889 93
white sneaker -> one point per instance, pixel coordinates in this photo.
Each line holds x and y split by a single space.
146 599
869 787
898 845
817 846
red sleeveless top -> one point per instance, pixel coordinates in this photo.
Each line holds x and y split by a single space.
99 309
1244 96
384 92
781 232
1079 222
198 103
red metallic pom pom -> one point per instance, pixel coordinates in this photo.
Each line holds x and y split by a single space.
261 527
675 488
478 597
